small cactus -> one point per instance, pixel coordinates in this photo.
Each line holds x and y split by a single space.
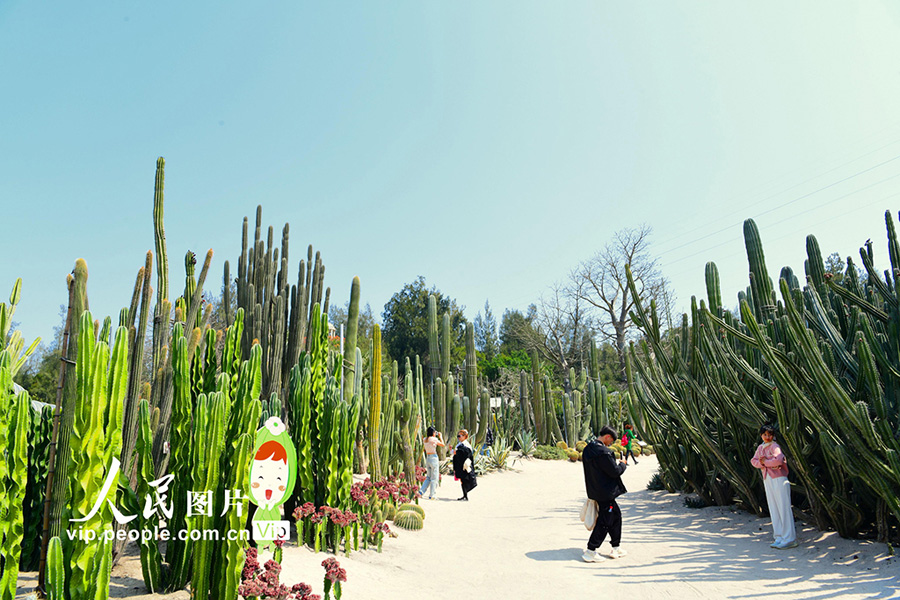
409 519
562 445
580 445
389 511
412 507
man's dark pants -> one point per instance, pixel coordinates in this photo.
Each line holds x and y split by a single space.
609 520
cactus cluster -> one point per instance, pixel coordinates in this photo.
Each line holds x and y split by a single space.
278 314
822 362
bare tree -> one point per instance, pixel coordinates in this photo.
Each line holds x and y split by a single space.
601 282
557 329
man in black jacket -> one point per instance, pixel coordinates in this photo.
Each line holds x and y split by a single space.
603 481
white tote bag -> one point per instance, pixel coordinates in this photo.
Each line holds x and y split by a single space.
589 514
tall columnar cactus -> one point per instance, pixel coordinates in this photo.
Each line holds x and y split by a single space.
820 362
14 426
554 433
537 399
455 416
434 352
95 442
524 404
471 378
484 416
440 413
39 432
714 293
14 343
375 404
760 282
58 521
350 364
277 313
409 465
207 442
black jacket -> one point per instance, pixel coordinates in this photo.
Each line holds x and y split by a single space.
463 452
602 474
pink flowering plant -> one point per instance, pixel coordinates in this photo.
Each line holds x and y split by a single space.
334 576
262 583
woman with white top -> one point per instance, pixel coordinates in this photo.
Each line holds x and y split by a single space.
433 439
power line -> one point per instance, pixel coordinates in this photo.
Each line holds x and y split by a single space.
776 194
804 196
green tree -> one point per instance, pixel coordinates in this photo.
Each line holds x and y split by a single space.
405 322
486 340
516 329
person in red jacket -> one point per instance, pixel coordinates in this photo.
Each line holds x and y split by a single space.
603 483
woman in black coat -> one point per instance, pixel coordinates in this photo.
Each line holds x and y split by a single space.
464 464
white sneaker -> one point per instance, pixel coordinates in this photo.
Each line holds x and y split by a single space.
592 556
618 552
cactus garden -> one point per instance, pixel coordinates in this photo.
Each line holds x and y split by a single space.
380 300
157 431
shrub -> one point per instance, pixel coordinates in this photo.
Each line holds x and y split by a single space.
656 483
549 453
695 502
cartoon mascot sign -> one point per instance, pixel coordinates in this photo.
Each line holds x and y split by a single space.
272 476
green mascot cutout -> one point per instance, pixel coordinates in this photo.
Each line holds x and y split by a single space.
272 476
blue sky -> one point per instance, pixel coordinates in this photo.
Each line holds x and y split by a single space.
489 146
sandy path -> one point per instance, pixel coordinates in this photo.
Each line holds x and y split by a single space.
520 538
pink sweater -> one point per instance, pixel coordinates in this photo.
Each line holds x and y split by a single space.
770 459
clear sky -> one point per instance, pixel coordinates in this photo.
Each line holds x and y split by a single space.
487 145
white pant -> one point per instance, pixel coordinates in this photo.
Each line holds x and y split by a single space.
778 495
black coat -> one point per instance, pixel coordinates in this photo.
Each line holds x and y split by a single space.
463 453
466 478
602 474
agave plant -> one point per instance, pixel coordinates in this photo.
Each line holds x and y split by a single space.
499 455
525 441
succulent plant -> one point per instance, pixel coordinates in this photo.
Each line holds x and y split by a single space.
409 519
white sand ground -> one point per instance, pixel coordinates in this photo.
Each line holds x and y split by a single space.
519 538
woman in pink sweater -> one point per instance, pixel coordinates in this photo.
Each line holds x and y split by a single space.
770 460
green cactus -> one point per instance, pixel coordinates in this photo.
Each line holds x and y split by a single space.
434 352
409 465
56 572
760 282
39 433
713 290
375 404
409 519
350 349
537 400
14 426
59 509
484 416
471 385
95 443
208 439
412 507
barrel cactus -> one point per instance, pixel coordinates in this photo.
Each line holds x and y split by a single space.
409 519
